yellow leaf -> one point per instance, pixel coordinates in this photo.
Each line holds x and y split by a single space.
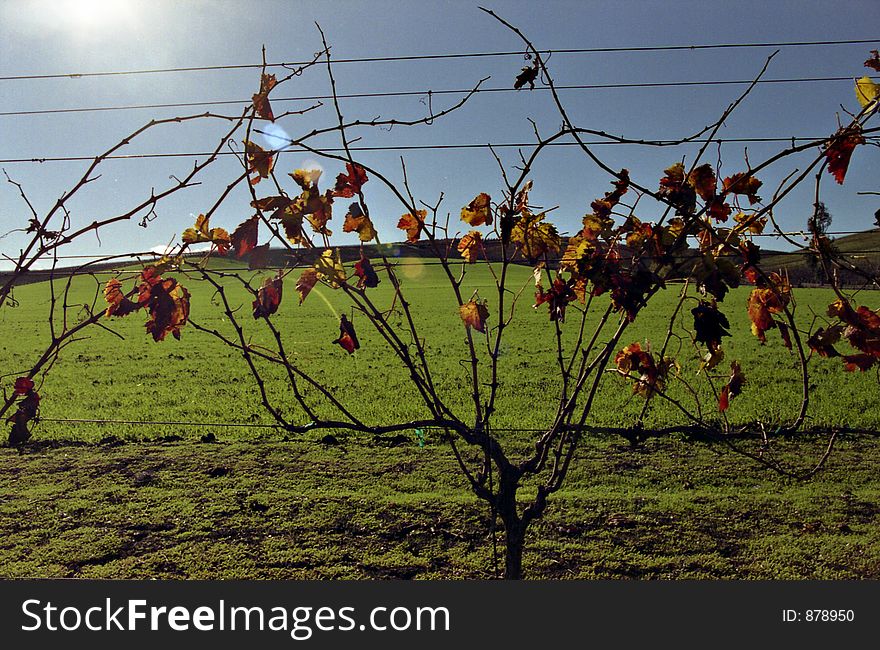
478 212
330 269
534 238
202 233
306 178
867 92
469 246
474 314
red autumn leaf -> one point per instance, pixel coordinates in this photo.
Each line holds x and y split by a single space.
863 362
259 257
822 341
470 245
732 388
347 338
27 411
702 179
839 149
367 276
474 314
23 385
167 302
862 329
260 161
261 99
276 204
676 191
745 184
347 185
873 61
306 283
413 225
785 333
651 374
558 298
269 296
244 237
718 209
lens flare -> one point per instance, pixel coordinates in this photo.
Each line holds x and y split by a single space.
318 292
275 137
413 268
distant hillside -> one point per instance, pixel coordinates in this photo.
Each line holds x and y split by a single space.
862 249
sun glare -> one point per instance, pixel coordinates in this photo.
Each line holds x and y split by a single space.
95 14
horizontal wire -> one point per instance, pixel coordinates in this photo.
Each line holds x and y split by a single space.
424 57
415 147
251 425
164 423
421 93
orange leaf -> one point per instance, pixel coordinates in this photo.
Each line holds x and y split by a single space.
469 246
202 233
413 225
260 161
675 190
475 314
602 207
873 61
357 221
479 211
559 296
119 305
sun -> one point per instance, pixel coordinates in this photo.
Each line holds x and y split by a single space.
95 14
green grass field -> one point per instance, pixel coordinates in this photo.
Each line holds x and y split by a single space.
141 501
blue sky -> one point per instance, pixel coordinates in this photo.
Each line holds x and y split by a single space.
49 37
